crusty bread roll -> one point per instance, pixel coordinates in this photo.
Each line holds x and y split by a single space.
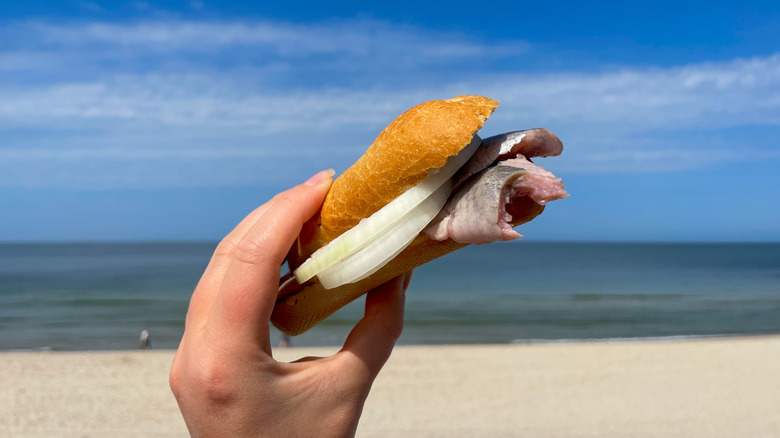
421 139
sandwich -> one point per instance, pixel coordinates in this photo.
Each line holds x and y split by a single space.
427 186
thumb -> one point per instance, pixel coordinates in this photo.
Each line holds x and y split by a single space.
373 338
248 290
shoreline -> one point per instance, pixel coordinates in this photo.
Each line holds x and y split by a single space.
540 341
715 387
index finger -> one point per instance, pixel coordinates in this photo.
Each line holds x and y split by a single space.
249 288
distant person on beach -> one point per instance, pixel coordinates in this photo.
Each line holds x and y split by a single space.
224 377
145 340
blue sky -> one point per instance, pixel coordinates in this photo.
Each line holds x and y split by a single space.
172 120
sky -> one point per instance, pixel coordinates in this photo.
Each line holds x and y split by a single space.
171 120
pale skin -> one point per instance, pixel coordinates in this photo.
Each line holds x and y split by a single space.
224 376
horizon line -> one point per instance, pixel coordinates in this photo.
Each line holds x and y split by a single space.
518 241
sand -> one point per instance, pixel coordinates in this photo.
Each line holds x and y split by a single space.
727 387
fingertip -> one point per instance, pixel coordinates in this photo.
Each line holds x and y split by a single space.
315 189
321 178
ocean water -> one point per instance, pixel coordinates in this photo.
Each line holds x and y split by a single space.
94 296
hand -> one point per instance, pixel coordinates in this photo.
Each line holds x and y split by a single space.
224 376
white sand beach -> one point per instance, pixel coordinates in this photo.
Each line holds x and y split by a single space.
727 387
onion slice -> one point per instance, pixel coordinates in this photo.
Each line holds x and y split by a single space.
384 248
391 215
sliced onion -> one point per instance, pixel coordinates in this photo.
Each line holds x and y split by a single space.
395 212
384 248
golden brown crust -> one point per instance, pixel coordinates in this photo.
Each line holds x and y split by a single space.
421 139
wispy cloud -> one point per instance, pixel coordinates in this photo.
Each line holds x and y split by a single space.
354 38
708 95
164 92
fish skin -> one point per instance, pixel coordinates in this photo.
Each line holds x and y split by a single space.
530 143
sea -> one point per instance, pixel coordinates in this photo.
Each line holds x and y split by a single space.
100 296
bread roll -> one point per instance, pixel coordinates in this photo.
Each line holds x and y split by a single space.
421 139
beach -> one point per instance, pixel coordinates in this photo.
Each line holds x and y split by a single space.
715 387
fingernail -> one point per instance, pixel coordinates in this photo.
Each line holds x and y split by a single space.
320 177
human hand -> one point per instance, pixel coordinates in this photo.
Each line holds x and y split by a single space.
224 376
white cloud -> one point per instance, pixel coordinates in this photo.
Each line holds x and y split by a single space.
356 38
168 112
709 96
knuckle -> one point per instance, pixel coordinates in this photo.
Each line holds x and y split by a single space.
286 199
174 381
225 248
394 328
249 251
289 203
387 324
215 381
